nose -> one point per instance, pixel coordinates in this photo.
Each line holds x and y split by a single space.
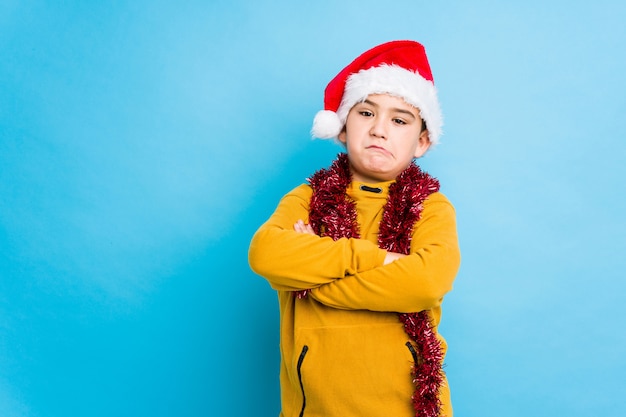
378 128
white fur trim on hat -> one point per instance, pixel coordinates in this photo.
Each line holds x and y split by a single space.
395 81
326 125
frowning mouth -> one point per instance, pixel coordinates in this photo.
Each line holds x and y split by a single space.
378 149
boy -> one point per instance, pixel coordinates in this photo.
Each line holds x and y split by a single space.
363 254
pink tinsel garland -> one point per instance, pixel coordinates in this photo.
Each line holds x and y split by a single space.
333 213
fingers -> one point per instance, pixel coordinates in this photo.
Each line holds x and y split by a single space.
301 227
392 256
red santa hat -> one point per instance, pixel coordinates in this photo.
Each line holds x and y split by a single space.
398 68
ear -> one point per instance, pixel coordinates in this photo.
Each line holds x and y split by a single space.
423 143
342 135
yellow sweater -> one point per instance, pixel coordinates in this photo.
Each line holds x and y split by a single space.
344 352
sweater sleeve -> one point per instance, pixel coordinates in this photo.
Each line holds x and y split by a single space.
413 283
293 261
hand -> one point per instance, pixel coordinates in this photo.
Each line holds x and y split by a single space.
301 227
392 256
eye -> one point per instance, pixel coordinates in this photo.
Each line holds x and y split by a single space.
399 121
366 113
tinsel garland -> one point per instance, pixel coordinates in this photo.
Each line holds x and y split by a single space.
333 213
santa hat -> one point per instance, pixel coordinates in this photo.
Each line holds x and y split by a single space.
398 68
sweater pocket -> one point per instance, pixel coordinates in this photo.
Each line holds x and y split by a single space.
354 371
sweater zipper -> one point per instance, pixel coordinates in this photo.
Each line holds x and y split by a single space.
305 349
413 351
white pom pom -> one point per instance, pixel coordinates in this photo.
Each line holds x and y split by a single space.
326 125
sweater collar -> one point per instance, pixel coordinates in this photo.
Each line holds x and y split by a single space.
361 190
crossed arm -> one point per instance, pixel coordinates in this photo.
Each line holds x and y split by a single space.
355 273
301 227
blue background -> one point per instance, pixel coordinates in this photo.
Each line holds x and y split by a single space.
142 143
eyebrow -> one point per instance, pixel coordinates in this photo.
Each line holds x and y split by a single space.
394 109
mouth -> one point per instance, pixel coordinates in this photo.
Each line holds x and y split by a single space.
378 149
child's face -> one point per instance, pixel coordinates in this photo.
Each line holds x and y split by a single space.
382 136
